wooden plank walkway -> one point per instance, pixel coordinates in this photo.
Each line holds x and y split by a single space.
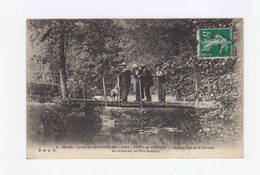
178 104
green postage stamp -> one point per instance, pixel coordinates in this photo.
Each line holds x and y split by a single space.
215 43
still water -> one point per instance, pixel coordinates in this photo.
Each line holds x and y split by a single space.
113 126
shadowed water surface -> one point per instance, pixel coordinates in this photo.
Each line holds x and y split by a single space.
101 126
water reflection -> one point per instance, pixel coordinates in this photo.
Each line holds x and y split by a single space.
117 128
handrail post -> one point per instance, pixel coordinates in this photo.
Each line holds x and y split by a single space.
83 91
196 92
104 90
158 85
119 91
140 92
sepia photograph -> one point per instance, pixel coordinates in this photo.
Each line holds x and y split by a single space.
134 88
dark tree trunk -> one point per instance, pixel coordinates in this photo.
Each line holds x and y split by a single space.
62 67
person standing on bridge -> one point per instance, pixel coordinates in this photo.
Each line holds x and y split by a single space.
161 80
124 82
146 82
136 72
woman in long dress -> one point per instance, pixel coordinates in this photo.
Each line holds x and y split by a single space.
161 79
124 82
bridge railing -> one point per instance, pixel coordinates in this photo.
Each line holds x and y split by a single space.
83 86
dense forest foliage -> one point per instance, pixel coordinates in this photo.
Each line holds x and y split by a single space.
70 51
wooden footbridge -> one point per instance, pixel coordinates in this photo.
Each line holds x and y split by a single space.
145 104
108 102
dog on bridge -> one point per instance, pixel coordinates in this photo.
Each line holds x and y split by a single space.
114 93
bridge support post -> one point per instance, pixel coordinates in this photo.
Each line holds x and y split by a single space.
140 92
196 92
83 91
104 89
158 86
119 91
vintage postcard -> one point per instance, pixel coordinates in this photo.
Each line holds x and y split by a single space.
134 88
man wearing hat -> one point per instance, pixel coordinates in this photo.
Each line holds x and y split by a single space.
146 81
124 82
